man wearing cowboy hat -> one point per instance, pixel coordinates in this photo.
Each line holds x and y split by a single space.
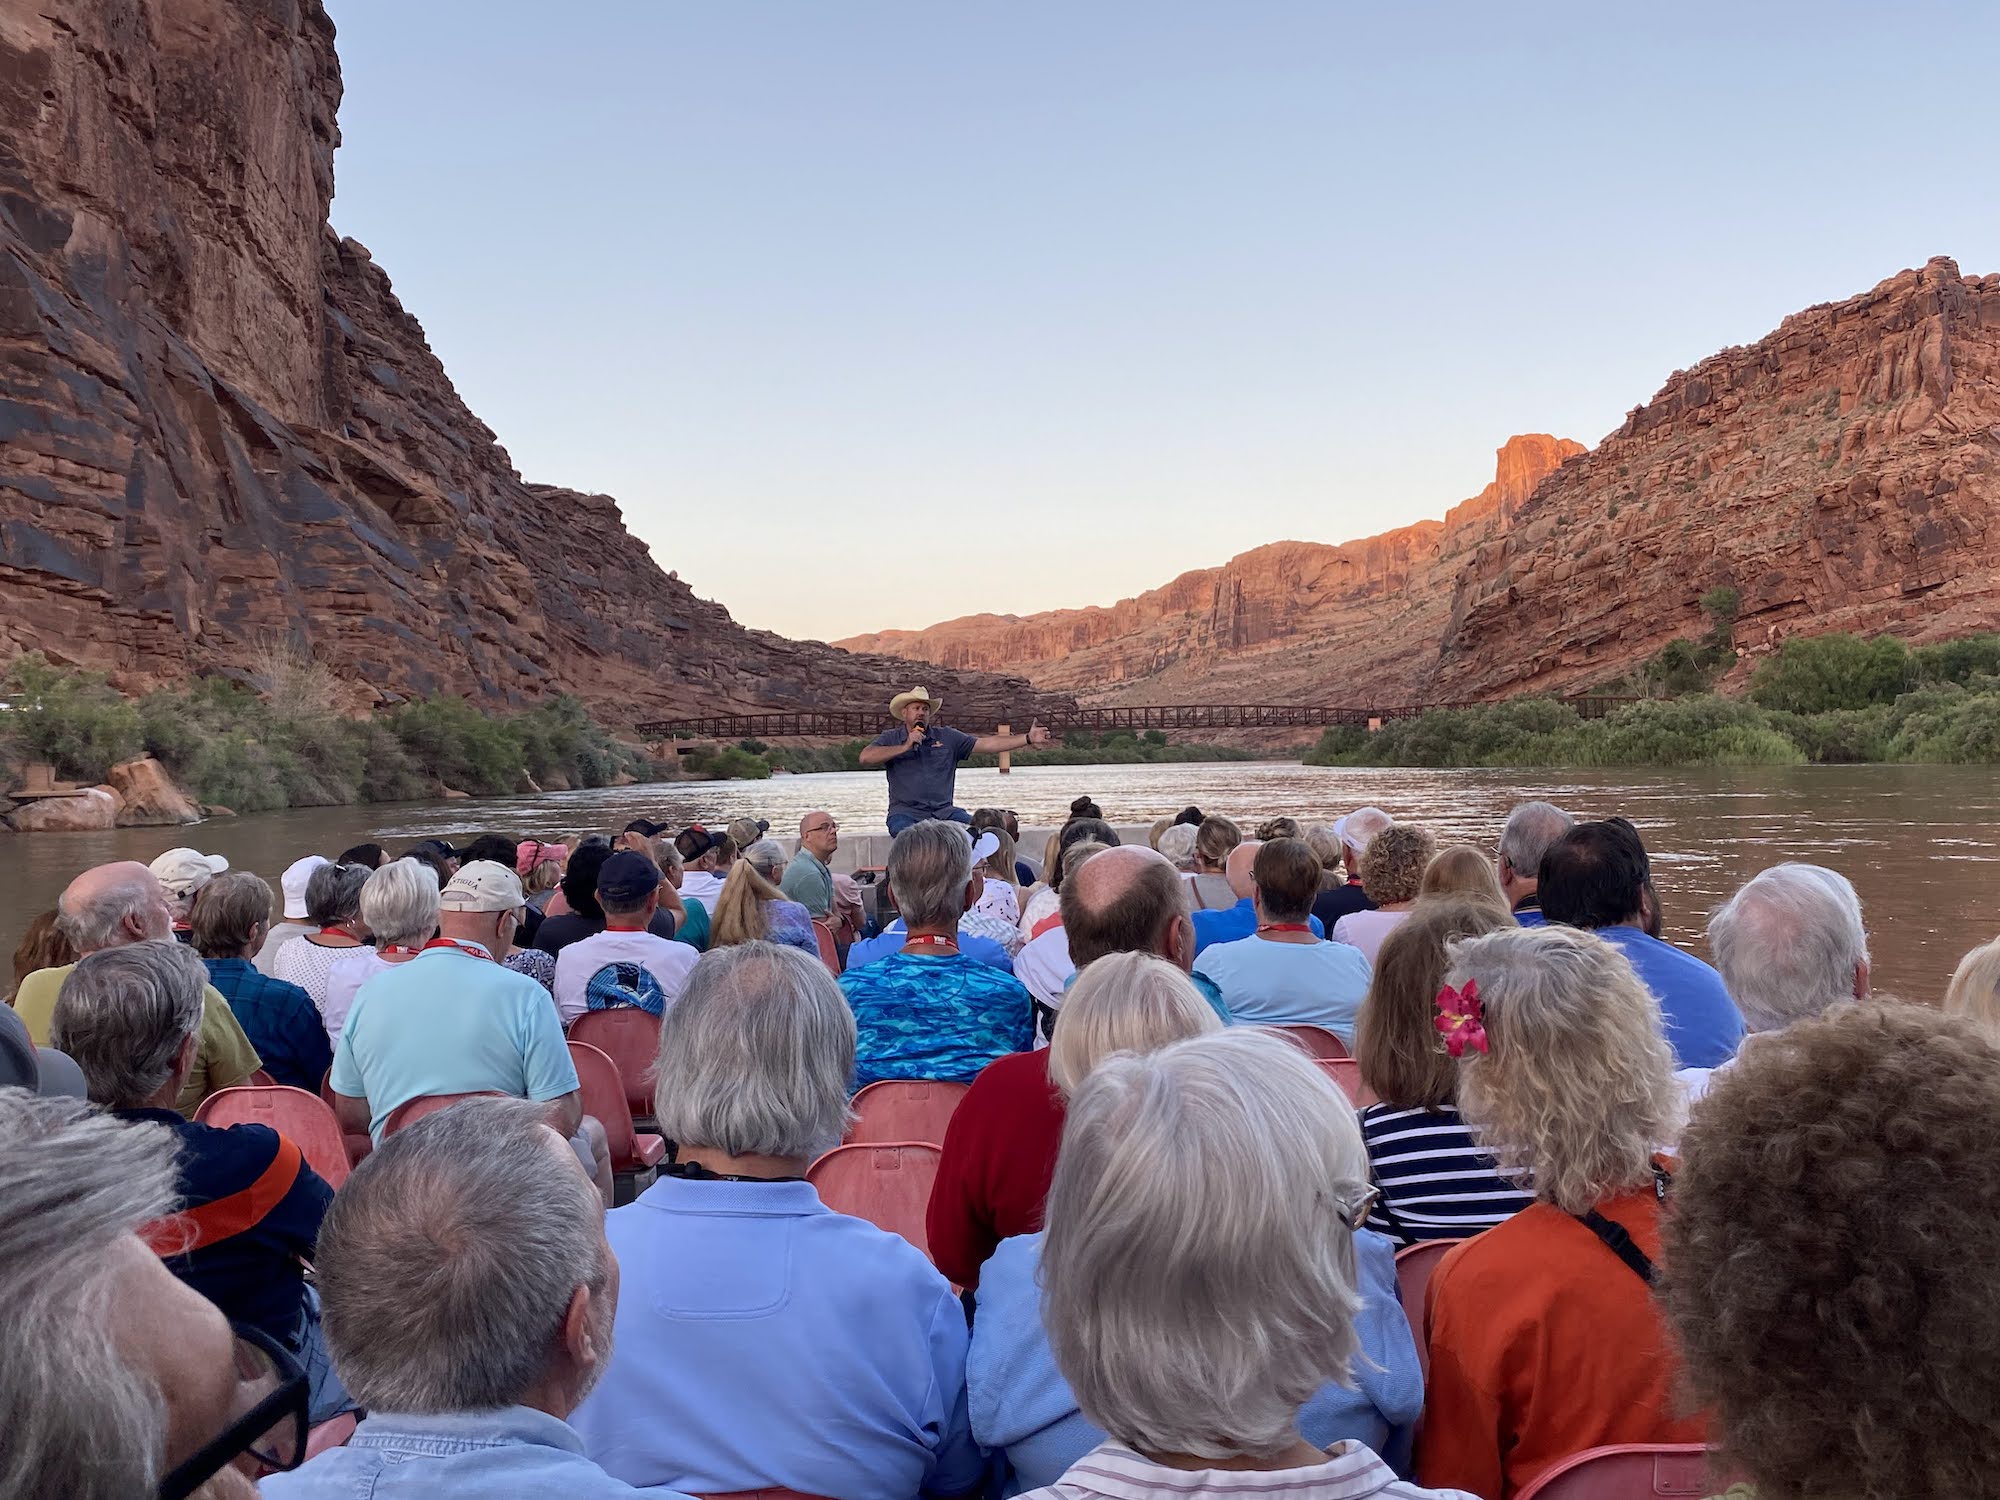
922 759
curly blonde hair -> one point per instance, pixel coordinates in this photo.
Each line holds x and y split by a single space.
1577 1087
1975 987
1392 870
1832 1258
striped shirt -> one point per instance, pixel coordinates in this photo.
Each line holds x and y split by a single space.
1113 1471
1436 1185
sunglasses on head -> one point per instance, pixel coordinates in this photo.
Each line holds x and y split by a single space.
272 1430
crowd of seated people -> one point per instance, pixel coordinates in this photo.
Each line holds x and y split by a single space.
1738 1203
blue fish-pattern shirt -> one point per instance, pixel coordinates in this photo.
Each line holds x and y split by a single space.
934 1016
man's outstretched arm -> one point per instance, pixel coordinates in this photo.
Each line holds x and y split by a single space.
993 744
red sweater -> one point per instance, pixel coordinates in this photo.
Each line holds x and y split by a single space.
999 1154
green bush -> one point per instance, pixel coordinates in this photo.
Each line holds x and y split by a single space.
464 748
730 763
1960 660
1816 674
74 720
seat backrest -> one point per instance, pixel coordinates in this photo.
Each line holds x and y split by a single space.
604 1097
888 1183
1631 1471
1414 1264
897 1109
1317 1040
1346 1072
829 952
631 1039
302 1118
412 1110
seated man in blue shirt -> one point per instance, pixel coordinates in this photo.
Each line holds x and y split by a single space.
922 760
249 1206
1281 975
1132 900
1526 836
229 921
1240 920
930 1010
470 1293
1597 877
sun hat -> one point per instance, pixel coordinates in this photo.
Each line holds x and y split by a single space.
531 852
483 886
914 695
185 871
293 883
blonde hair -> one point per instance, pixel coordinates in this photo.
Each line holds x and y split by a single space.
1577 1088
1462 870
1124 1002
1000 863
545 876
1160 826
739 915
1392 868
1975 987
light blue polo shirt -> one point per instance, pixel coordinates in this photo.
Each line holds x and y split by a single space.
1704 1027
765 1341
1233 922
448 1022
1289 984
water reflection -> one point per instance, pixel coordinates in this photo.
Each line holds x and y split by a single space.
1922 843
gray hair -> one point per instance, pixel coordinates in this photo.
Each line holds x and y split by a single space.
333 893
1199 1277
448 1260
666 853
767 858
123 1014
1788 942
399 902
1177 843
80 1421
1124 1002
99 922
1529 831
757 1055
930 864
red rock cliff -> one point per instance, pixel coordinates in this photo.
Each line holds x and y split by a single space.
1290 622
1842 473
218 426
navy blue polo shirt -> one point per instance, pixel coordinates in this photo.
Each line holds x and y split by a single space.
280 1019
921 780
254 1210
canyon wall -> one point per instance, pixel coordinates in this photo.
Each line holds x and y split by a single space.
1292 622
220 432
1842 473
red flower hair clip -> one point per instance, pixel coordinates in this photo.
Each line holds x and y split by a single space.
1460 1019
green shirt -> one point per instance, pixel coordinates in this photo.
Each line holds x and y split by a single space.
809 882
693 931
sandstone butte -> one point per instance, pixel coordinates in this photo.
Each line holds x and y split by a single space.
219 429
1842 473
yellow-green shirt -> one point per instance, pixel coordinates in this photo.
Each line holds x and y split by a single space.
223 1058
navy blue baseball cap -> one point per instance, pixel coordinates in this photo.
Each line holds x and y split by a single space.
627 878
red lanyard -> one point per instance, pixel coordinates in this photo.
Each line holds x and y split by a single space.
930 940
398 948
1285 927
336 931
444 942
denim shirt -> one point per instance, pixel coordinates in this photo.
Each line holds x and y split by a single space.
516 1453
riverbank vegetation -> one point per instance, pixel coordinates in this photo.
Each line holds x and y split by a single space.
1830 699
288 745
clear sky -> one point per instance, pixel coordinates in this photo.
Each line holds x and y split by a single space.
873 314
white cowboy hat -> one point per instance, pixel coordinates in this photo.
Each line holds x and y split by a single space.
914 695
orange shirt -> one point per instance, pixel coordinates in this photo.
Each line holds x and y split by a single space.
1543 1343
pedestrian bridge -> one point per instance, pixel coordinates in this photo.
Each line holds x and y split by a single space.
859 723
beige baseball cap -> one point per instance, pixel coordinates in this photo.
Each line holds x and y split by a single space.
483 886
185 871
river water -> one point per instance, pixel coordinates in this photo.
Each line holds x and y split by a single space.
1922 843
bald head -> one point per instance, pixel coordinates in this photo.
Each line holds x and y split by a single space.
1242 862
111 905
1127 900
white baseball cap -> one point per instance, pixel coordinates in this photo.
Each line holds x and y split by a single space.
1358 829
185 871
293 883
483 885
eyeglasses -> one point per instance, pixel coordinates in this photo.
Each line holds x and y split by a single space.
827 827
272 1397
1355 1214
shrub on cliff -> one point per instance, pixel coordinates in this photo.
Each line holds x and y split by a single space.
1819 673
74 720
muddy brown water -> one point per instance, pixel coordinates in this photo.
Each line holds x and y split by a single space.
1922 843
